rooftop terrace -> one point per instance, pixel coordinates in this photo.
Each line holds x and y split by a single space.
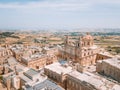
59 68
98 82
113 61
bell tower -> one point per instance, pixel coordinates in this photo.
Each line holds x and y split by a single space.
66 42
79 42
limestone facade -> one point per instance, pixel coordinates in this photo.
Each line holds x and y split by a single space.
71 79
39 61
102 56
5 52
110 68
89 81
58 73
82 51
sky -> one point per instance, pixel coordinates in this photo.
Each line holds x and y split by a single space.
59 14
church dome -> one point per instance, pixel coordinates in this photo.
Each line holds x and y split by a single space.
88 37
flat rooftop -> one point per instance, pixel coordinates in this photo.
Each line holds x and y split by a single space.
59 68
25 78
33 57
113 61
48 83
106 54
31 72
44 85
98 82
12 61
28 77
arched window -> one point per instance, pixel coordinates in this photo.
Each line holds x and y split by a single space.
84 54
88 53
88 43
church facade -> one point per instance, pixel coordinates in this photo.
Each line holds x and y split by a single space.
82 51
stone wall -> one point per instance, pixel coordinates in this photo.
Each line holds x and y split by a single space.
108 70
75 84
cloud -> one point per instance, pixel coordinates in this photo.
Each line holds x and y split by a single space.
105 1
62 5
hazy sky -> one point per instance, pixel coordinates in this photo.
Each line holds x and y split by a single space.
59 14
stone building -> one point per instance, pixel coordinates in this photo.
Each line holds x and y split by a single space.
68 77
4 52
34 56
37 61
24 78
58 72
110 68
89 81
33 80
9 62
20 50
103 55
82 51
50 50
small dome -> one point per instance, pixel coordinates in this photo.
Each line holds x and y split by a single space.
88 36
